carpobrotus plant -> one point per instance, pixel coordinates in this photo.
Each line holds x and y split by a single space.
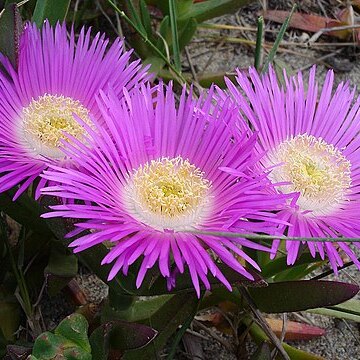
168 198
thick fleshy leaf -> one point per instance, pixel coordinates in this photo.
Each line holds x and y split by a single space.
349 310
279 265
139 311
62 267
297 272
174 34
99 341
184 283
213 8
25 211
297 354
145 19
9 319
201 11
119 336
47 346
53 10
186 32
10 30
70 341
92 257
290 296
166 321
183 6
74 328
220 295
9 315
207 79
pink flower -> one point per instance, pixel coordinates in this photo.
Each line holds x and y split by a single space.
160 175
312 144
56 77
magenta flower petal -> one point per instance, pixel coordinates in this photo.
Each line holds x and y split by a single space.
312 145
56 77
153 175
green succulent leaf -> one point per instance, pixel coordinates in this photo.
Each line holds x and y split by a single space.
301 295
53 10
349 310
174 33
187 30
69 341
9 315
74 328
201 11
25 211
139 311
209 9
62 267
297 272
48 345
219 295
166 321
165 32
279 266
184 283
119 336
10 30
145 19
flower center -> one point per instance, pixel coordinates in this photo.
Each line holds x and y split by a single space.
45 120
168 194
317 170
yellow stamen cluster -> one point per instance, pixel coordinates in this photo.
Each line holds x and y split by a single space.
170 187
46 119
317 170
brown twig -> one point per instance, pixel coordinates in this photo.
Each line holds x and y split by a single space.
264 325
223 342
192 68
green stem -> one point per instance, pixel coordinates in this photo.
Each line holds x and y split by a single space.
278 40
274 237
174 33
259 43
264 325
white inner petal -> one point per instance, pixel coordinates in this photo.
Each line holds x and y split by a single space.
44 121
168 194
316 169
